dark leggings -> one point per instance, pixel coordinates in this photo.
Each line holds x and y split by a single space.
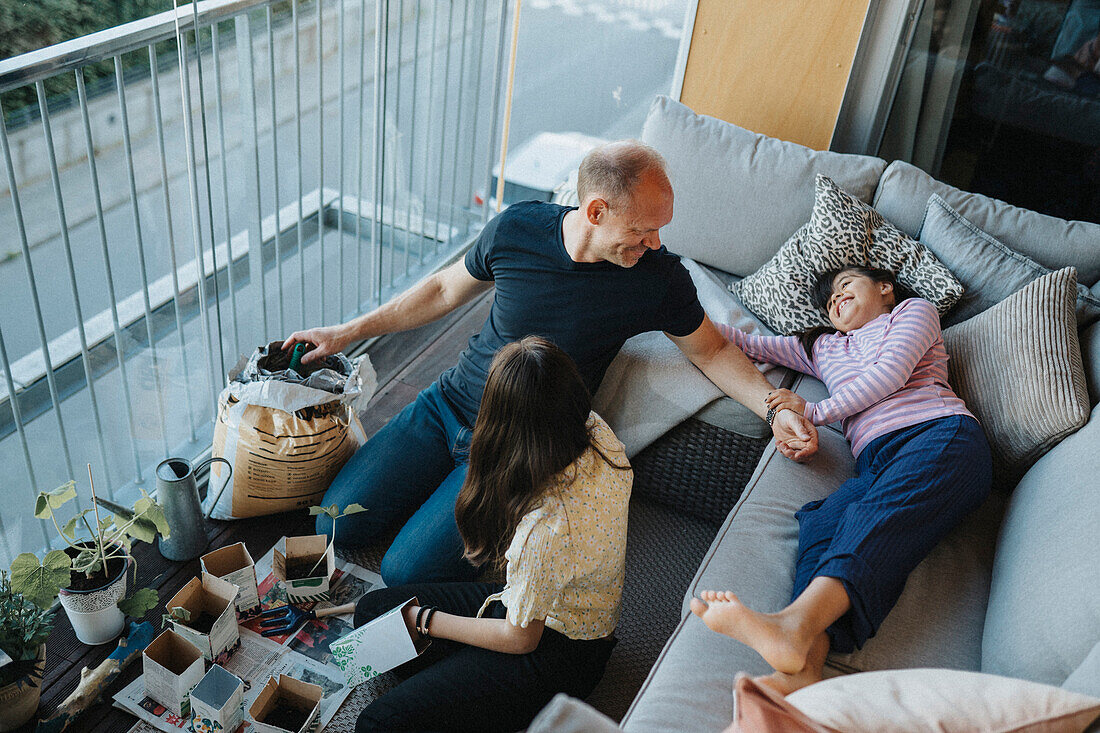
911 488
456 687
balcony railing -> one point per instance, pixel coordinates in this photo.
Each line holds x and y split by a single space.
257 166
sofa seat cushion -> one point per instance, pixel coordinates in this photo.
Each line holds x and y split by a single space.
937 622
1054 243
739 194
1044 610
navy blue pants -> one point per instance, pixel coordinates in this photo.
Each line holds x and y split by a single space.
911 488
409 472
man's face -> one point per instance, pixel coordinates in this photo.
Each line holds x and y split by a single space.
625 233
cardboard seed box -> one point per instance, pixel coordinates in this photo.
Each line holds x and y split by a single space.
171 667
234 564
214 596
217 702
377 646
293 692
306 550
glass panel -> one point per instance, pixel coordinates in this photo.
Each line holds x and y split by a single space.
1003 98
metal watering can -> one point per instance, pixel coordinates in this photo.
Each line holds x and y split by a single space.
178 493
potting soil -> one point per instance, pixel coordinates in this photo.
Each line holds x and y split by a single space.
286 716
202 623
305 567
81 582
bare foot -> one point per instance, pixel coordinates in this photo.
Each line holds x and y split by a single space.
785 684
780 645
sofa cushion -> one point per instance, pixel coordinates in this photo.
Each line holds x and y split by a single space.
988 269
1086 678
1018 368
948 701
1090 360
1054 243
841 231
1044 610
937 621
739 195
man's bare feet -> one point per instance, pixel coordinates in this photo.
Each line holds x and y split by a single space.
785 684
779 643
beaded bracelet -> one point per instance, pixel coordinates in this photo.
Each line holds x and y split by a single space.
428 620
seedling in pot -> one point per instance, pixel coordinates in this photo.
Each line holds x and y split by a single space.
334 513
97 556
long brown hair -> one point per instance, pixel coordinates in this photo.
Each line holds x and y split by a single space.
531 426
822 290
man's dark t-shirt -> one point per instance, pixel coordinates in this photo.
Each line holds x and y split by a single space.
587 309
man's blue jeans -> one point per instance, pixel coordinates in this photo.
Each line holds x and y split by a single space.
411 471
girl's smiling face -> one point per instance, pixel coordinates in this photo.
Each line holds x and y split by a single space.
856 300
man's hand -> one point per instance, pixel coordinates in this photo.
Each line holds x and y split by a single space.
795 436
326 341
784 399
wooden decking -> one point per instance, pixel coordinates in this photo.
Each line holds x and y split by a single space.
406 363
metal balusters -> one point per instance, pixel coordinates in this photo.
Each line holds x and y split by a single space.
275 178
55 179
251 183
320 156
33 284
298 148
483 11
412 141
17 415
216 53
196 224
340 157
381 49
458 117
397 138
120 350
140 243
427 136
494 118
443 123
170 229
209 194
359 147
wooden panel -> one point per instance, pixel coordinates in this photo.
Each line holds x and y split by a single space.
777 67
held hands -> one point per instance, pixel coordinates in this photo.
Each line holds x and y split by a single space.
784 399
795 436
326 341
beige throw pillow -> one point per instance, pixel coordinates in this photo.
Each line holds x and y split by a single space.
1018 367
944 700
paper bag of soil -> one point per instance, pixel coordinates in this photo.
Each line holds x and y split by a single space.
287 433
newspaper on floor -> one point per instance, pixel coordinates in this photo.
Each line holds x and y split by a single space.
302 653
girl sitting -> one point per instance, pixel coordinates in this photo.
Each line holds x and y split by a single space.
546 497
922 464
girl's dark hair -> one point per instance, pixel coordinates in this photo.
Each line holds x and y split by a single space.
822 290
531 426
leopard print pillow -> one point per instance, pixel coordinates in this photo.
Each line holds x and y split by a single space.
841 231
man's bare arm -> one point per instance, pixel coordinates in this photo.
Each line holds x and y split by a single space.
427 301
732 372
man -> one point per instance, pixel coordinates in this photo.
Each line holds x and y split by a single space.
585 278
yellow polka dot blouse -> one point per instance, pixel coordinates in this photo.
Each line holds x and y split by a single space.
567 559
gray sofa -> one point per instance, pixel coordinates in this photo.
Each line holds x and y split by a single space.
1014 591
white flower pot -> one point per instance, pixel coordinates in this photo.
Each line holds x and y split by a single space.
94 613
19 700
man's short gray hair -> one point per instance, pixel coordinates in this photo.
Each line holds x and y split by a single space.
612 171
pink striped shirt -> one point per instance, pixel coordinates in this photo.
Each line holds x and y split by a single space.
889 374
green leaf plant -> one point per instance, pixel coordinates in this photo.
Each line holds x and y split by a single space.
24 626
177 614
93 540
333 511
